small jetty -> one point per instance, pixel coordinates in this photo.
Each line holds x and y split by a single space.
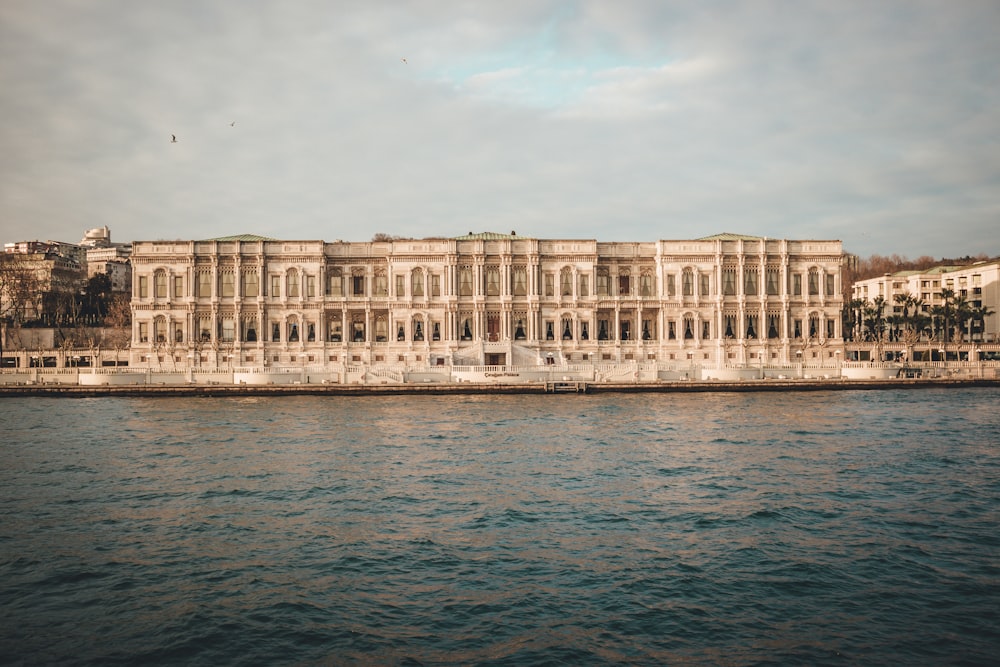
566 387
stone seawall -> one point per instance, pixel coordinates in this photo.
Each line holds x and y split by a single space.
487 389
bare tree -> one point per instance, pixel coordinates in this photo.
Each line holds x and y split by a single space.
19 293
119 323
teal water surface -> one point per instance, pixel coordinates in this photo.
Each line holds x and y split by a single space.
778 528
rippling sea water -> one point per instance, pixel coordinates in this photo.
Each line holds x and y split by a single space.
794 528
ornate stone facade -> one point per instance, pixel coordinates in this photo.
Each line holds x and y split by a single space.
485 299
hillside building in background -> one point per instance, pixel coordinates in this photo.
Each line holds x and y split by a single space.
485 299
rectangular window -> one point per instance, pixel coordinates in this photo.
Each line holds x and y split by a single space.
205 329
797 284
492 281
293 284
228 330
400 286
204 284
584 286
750 283
358 285
435 285
550 284
603 329
336 286
706 330
250 286
829 284
275 286
520 281
465 281
729 282
143 287
381 285
814 283
772 282
418 283
250 330
687 284
311 287
178 287
228 284
143 332
705 282
603 284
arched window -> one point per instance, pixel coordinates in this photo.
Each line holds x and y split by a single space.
813 282
624 284
566 282
381 286
160 330
417 282
335 283
646 284
160 284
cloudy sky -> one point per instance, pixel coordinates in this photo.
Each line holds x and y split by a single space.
876 123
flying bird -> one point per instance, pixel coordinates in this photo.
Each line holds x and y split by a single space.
173 138
404 60
233 124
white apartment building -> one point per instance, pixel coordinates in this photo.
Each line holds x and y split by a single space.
978 284
485 299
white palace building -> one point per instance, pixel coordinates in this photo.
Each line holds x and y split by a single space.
484 307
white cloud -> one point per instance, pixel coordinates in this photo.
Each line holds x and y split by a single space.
634 120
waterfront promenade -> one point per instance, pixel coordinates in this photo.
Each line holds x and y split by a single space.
540 379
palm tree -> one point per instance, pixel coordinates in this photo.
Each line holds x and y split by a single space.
853 319
946 312
977 320
874 318
963 314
